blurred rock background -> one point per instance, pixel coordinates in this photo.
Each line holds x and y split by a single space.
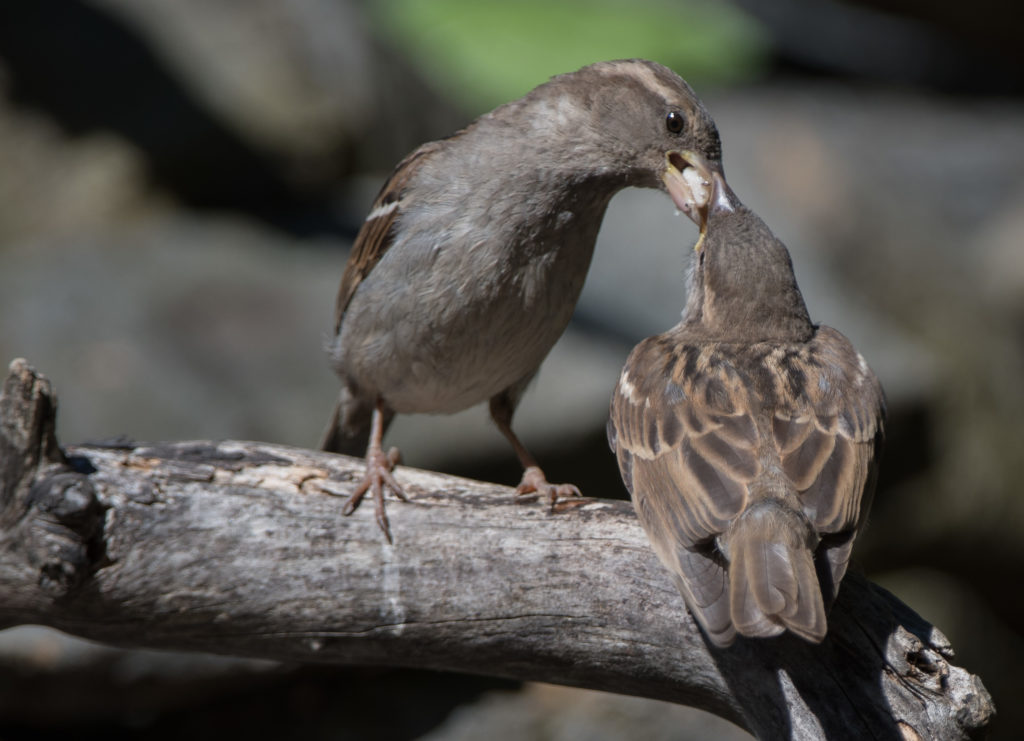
180 181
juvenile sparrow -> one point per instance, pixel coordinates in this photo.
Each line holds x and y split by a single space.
471 260
747 436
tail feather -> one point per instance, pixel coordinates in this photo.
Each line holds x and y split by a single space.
348 429
773 584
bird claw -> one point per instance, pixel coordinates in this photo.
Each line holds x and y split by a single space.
378 476
534 481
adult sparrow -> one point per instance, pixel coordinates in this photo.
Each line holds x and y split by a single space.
469 264
747 436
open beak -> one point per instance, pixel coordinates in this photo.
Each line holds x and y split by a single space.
693 184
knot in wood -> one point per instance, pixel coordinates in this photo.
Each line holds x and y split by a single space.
66 542
70 499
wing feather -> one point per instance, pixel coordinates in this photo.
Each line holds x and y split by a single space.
830 440
687 452
690 447
376 235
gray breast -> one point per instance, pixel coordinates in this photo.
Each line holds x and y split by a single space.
448 319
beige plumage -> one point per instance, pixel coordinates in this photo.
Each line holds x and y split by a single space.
748 436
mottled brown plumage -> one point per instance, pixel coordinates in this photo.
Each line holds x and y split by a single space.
748 436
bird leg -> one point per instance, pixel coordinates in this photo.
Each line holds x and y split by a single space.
378 474
533 479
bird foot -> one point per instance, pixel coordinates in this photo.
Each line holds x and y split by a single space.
535 481
379 466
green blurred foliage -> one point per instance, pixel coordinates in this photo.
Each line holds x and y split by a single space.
485 52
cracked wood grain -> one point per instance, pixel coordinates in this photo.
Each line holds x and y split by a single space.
239 548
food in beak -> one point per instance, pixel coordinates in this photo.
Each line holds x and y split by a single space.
688 186
699 187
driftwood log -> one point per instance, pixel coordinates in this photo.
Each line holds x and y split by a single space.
234 548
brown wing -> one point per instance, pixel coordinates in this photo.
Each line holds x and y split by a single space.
682 428
375 237
829 427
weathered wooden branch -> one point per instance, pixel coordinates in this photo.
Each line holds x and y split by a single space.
233 548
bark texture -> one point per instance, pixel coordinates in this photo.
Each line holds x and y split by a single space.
238 548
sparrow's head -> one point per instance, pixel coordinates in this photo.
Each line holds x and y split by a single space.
623 118
742 286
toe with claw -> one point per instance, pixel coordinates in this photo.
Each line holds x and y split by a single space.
378 476
535 481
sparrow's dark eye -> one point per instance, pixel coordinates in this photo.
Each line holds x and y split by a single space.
674 122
